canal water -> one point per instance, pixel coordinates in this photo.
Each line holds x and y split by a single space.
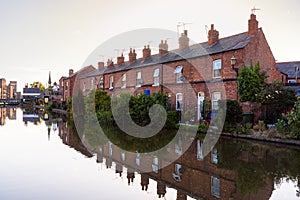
47 160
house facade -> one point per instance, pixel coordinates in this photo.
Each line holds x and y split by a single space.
68 84
190 73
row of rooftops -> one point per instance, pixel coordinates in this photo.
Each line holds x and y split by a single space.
214 45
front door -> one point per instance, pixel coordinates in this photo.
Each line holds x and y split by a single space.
200 104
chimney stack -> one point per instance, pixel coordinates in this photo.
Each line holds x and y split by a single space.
120 60
132 56
184 40
110 63
252 25
71 71
146 52
100 65
213 35
163 48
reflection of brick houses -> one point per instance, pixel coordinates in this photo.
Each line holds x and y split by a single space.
205 66
191 174
3 89
67 84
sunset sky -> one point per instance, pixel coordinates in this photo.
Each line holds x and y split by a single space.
38 36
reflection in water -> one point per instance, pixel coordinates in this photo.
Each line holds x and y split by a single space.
235 169
10 112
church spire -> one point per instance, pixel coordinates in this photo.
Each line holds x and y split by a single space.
49 80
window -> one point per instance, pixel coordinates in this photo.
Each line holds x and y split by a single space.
292 81
215 186
101 82
217 65
216 96
179 100
155 164
83 86
214 156
92 83
199 150
178 74
111 82
123 82
139 80
156 77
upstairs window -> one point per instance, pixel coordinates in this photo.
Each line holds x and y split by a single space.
92 83
83 86
178 74
179 101
101 83
156 77
111 82
139 80
217 66
292 81
123 81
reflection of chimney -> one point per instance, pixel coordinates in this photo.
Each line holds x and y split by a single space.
213 36
181 196
144 182
71 71
119 169
100 65
163 48
161 189
130 176
184 40
252 25
146 52
120 60
132 56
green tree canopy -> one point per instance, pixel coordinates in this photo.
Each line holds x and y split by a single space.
39 85
251 81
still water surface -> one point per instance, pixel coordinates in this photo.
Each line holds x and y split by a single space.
46 160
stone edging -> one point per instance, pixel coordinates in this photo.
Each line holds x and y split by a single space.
266 139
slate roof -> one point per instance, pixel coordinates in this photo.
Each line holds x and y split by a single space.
80 70
288 68
230 43
93 73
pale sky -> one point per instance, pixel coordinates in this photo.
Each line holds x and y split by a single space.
38 36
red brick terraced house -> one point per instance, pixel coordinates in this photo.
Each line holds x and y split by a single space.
67 84
192 72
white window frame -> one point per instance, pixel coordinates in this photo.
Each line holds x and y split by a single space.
101 82
217 66
216 96
180 107
292 81
178 73
139 79
111 82
92 83
215 186
156 77
123 81
214 156
83 86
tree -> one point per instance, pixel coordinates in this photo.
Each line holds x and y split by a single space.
39 85
251 81
277 99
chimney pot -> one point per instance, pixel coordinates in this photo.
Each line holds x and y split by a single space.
252 25
146 52
163 47
213 35
71 71
184 40
120 60
100 65
132 55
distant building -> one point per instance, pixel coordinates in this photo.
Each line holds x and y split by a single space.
12 90
31 93
3 88
290 74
